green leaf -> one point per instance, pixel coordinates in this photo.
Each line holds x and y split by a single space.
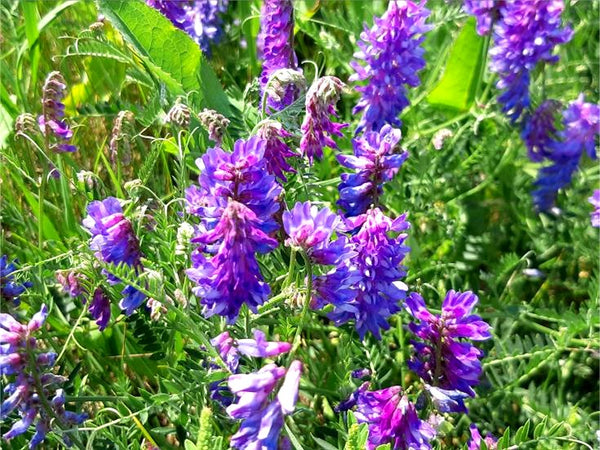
169 53
521 434
189 445
460 80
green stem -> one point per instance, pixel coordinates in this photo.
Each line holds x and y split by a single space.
291 268
41 223
305 307
400 331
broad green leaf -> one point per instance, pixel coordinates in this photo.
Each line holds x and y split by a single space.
169 53
458 85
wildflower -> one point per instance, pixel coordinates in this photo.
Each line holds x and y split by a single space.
53 111
539 130
485 11
9 290
216 124
25 124
392 56
70 281
392 418
580 127
350 402
475 443
317 128
100 308
282 83
595 215
275 43
375 161
262 419
361 373
377 268
30 367
440 137
115 242
120 138
526 34
441 359
276 150
179 114
447 400
200 19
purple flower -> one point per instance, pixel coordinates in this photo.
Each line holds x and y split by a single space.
539 130
71 283
317 128
350 402
392 56
20 357
375 161
276 150
447 400
200 19
526 34
9 290
485 11
115 242
262 419
595 215
377 271
232 276
392 418
53 111
580 128
275 44
475 443
100 308
441 358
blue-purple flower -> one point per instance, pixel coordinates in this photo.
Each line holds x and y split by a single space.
115 242
389 59
21 358
277 151
539 130
51 121
262 417
200 19
393 419
317 127
100 308
595 215
377 271
376 160
475 443
485 12
444 358
275 44
526 34
10 291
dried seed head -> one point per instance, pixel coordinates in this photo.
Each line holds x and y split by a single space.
179 114
25 124
120 138
277 87
216 124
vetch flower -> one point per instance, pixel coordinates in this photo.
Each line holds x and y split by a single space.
28 370
275 44
389 59
10 291
216 124
475 443
262 418
486 12
51 121
595 215
375 162
317 127
276 150
100 308
377 270
539 130
526 34
443 359
393 419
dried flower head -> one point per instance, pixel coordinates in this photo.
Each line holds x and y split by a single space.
121 137
216 124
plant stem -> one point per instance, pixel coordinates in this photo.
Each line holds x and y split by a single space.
305 307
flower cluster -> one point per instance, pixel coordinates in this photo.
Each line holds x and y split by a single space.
317 127
236 201
539 130
115 242
526 34
216 124
580 128
276 47
262 419
376 272
485 11
34 392
201 19
442 360
276 150
9 290
392 418
392 56
51 121
595 215
475 443
375 161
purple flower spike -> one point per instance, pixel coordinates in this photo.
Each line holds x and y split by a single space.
475 442
539 130
485 11
375 162
259 347
595 201
392 418
276 150
377 272
53 111
441 359
317 128
100 308
9 290
526 34
390 56
224 344
275 44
